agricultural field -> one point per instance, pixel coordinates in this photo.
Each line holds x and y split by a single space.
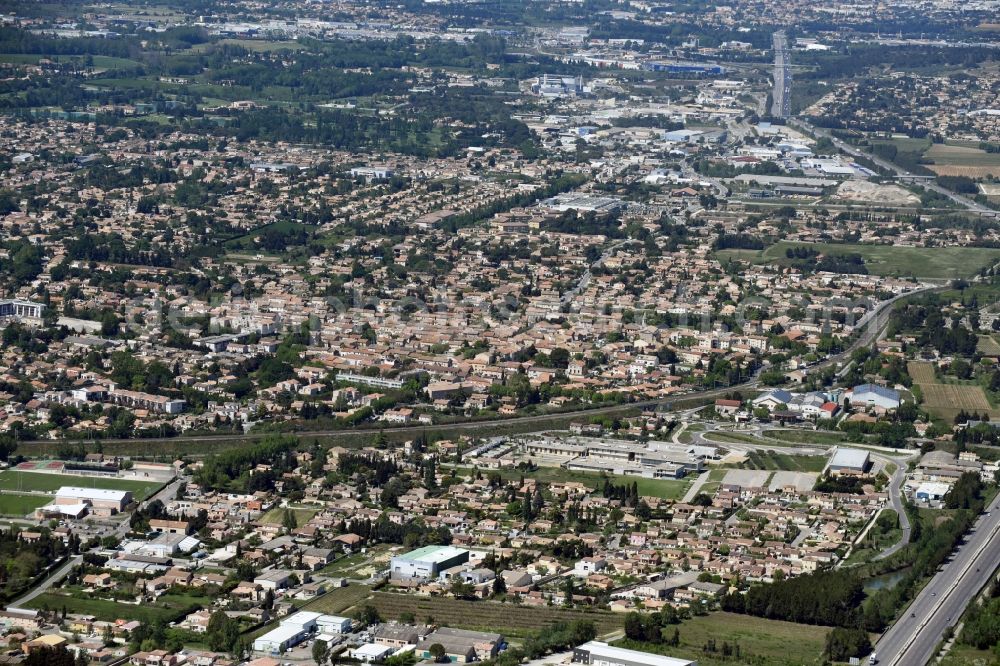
257 45
511 619
952 160
167 608
340 600
37 481
98 61
21 505
988 346
947 400
762 642
922 373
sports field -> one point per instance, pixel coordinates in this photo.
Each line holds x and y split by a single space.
663 488
47 483
21 505
947 400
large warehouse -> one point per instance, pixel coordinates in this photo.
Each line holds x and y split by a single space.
850 461
100 501
602 654
426 563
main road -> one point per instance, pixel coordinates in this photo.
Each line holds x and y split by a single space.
914 638
781 106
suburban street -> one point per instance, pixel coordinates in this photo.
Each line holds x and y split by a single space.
914 638
895 499
42 587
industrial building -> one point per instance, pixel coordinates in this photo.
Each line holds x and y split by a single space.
602 654
931 491
652 460
371 653
849 461
461 645
426 563
554 85
872 395
296 628
19 308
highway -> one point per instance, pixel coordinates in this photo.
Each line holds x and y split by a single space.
914 638
781 106
898 170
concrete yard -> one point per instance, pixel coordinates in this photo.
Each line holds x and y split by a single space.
801 480
753 478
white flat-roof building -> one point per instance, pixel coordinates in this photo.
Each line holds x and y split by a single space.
602 654
849 461
427 562
290 632
371 653
100 499
333 624
930 491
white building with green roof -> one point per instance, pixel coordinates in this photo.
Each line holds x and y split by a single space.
426 563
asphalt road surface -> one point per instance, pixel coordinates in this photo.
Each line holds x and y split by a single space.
896 501
781 97
914 638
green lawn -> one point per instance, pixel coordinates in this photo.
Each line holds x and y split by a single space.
15 480
726 437
715 478
928 262
276 515
762 642
963 655
339 600
784 462
100 62
807 436
167 608
20 505
924 262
